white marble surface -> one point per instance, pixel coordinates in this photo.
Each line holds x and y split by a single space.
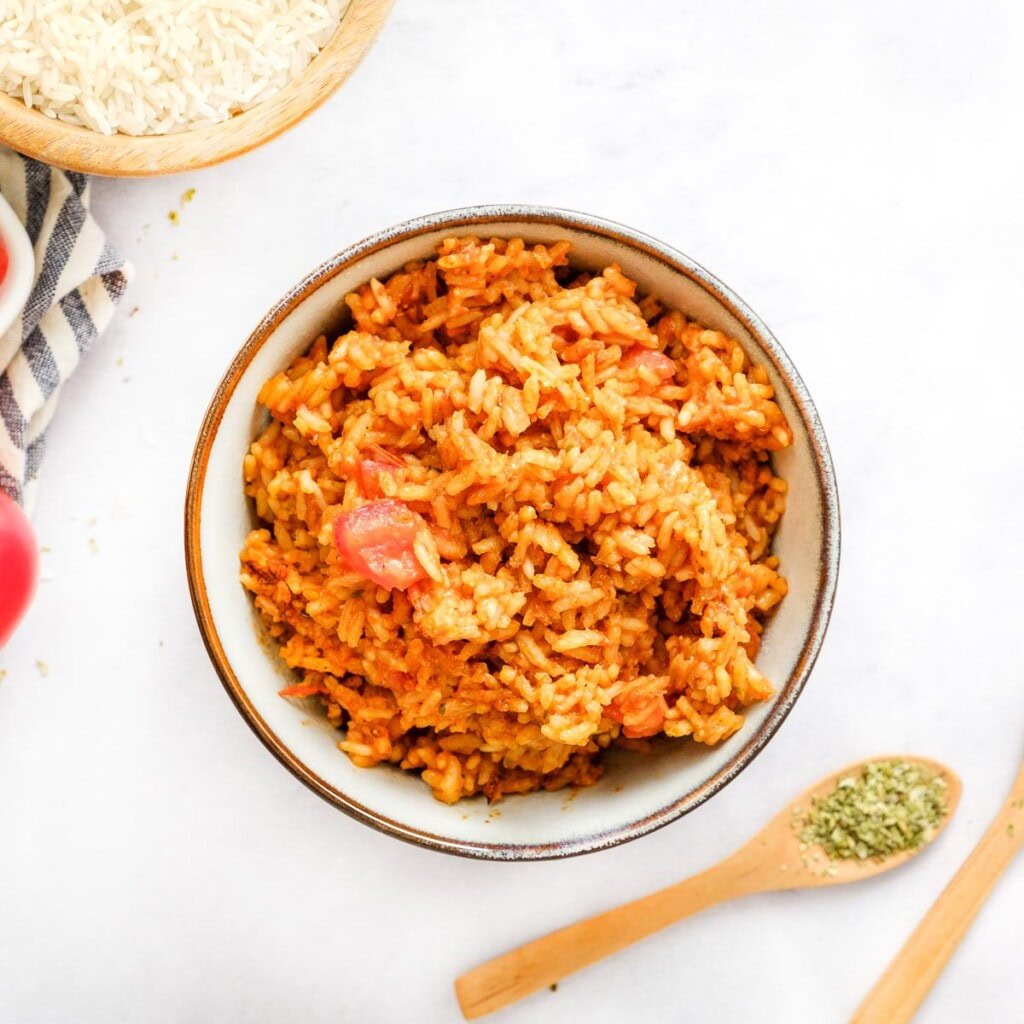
855 174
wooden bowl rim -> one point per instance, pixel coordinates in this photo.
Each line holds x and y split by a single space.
81 149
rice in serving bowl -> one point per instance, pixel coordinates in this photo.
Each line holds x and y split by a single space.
149 67
586 523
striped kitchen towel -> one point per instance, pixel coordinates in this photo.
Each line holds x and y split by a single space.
79 280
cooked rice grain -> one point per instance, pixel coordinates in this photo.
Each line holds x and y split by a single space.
597 521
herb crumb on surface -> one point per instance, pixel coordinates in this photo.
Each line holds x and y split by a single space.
891 806
174 216
553 986
44 668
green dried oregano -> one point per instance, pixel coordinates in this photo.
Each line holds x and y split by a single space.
889 807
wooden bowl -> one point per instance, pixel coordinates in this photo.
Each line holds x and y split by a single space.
129 156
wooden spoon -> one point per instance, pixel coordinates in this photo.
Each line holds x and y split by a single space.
901 990
771 861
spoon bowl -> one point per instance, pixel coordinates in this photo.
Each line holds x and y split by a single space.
779 849
775 859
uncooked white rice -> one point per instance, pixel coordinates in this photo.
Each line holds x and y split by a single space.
147 67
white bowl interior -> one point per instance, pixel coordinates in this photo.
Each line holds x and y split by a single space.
634 787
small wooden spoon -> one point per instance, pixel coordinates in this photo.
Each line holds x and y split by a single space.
771 861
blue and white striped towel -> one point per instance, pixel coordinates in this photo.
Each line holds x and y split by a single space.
80 278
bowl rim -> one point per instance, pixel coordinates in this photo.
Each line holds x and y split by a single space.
16 286
828 568
77 148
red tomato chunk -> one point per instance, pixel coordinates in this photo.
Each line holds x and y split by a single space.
301 690
376 540
370 470
641 714
657 363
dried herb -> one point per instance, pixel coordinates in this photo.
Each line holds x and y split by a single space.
891 806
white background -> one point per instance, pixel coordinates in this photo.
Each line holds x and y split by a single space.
855 174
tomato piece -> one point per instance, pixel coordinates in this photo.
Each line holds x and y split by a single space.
649 725
641 713
370 469
376 540
658 363
301 690
4 261
19 566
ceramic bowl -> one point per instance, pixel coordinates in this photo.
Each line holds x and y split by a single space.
639 793
82 149
21 266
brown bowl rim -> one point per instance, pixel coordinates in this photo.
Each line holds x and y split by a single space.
76 148
828 569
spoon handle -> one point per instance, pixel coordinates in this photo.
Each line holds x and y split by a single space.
544 961
901 990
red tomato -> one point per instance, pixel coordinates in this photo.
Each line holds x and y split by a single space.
19 566
641 713
301 690
649 725
658 363
376 541
381 461
4 261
